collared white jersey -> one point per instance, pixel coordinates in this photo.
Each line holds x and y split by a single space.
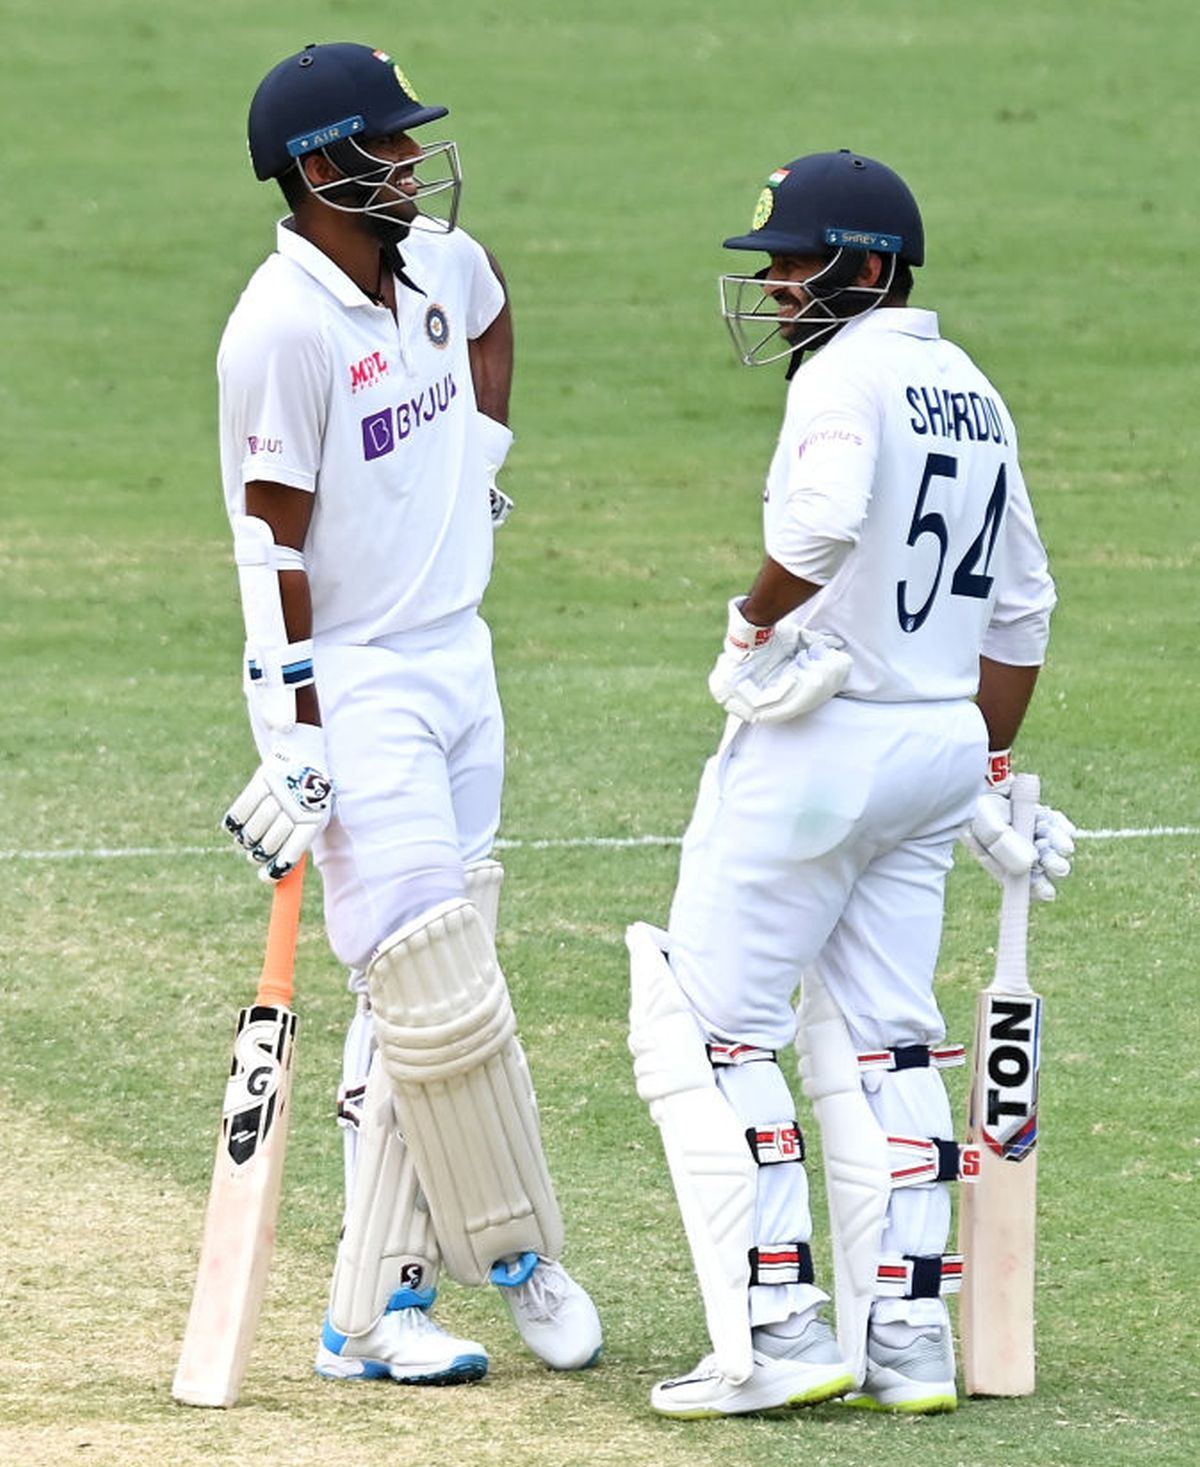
895 486
324 391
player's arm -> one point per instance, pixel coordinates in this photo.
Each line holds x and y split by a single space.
491 356
1013 649
1004 695
290 797
763 676
288 512
775 593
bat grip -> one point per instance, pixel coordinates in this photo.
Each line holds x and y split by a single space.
1011 969
276 980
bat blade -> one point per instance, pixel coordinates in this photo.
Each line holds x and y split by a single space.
243 1199
998 1212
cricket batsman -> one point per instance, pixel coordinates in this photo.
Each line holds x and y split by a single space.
364 388
874 678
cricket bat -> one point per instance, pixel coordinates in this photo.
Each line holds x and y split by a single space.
998 1212
243 1201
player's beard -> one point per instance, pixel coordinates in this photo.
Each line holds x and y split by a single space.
813 324
390 233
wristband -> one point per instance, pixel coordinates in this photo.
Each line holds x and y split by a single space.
999 767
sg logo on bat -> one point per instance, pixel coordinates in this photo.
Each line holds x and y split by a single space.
261 1053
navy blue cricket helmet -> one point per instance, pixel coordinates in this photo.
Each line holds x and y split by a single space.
838 208
825 201
324 95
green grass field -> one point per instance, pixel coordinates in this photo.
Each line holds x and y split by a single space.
607 149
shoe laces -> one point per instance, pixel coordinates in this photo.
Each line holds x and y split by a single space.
540 1296
417 1321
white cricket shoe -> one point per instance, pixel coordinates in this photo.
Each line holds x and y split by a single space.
406 1345
789 1372
554 1316
909 1368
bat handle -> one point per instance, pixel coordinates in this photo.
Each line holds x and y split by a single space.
1011 971
276 981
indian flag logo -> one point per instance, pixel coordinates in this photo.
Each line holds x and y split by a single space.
778 176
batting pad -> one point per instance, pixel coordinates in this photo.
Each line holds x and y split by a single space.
387 1239
713 1170
463 1095
483 881
858 1169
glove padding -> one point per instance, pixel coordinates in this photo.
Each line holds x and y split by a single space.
289 801
767 675
1001 852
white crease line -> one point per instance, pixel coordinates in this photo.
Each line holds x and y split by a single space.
567 843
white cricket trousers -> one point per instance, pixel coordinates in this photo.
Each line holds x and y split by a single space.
415 739
825 842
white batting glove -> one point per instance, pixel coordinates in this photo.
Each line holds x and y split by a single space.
1001 851
764 675
495 439
1054 837
286 805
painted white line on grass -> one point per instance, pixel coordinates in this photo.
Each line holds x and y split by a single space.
565 843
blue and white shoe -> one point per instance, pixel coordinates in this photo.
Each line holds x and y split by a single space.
553 1314
406 1345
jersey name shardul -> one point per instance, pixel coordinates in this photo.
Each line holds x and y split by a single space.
956 415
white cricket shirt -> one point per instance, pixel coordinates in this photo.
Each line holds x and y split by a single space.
324 391
895 486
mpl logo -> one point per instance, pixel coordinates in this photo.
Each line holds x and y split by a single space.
371 369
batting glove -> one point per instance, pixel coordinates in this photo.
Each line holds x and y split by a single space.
765 675
1001 851
286 805
495 439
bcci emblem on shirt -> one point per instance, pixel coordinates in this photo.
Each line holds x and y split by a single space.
437 326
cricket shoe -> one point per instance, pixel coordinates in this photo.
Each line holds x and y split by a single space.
553 1315
789 1371
909 1368
406 1345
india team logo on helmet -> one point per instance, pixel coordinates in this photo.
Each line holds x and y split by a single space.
399 74
766 200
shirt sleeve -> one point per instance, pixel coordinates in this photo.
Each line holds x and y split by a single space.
832 444
1019 630
273 382
485 294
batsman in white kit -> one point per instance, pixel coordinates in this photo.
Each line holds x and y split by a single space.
875 677
364 386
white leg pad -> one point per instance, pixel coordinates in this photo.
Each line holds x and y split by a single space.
484 880
858 1170
387 1239
462 1090
713 1172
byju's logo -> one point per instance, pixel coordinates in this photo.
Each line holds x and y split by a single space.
378 435
382 431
